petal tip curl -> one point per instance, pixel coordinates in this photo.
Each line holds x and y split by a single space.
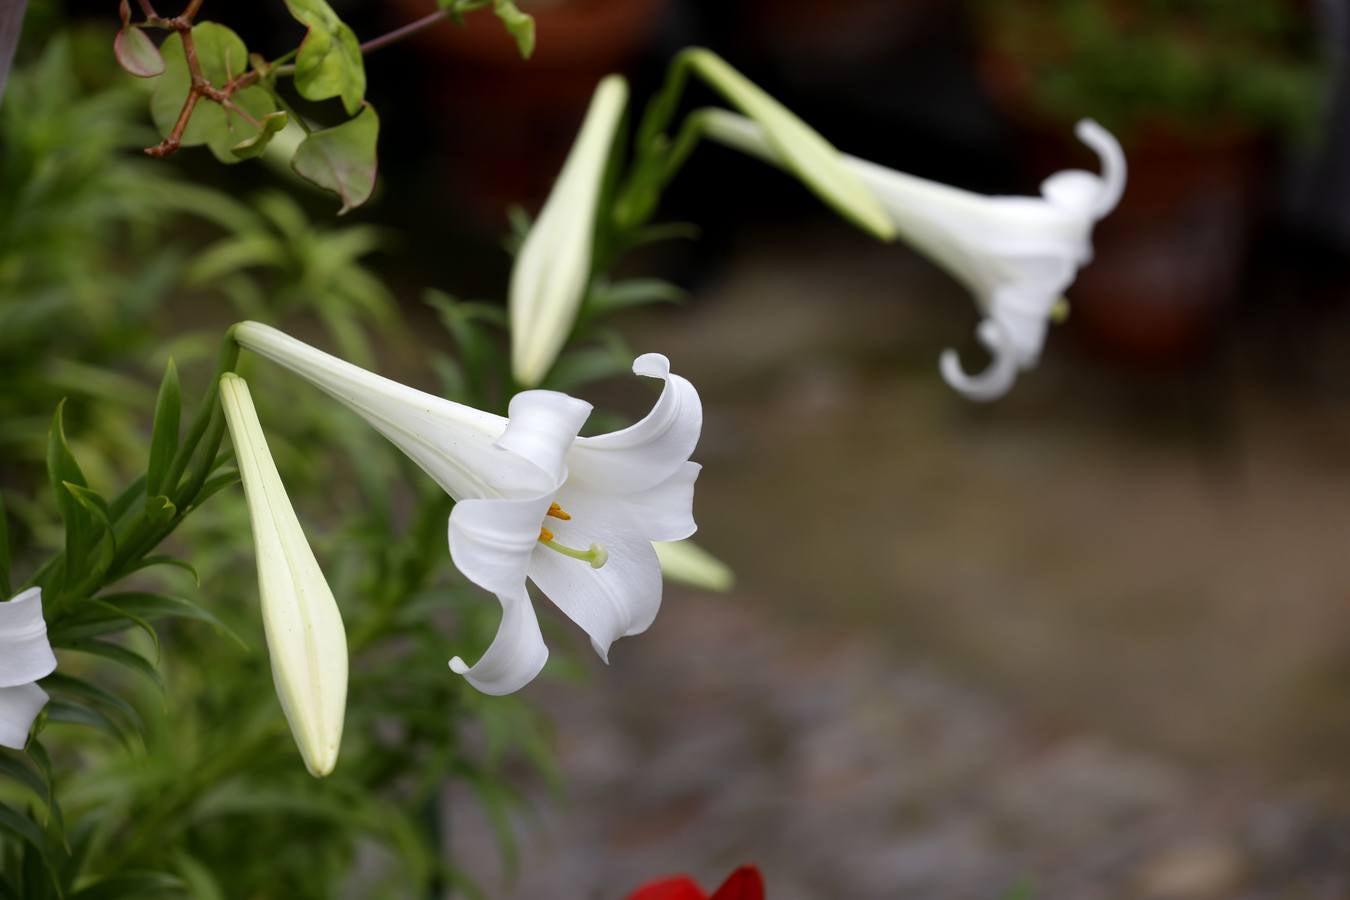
1112 157
652 365
996 380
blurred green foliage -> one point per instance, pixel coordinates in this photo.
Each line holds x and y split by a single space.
1181 66
163 765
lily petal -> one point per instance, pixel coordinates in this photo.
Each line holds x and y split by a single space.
25 654
541 427
19 706
491 542
997 378
664 512
648 452
620 598
451 442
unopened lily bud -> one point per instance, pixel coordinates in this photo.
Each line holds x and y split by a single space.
305 636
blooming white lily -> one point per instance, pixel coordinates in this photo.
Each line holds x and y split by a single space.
306 640
577 516
553 266
1017 255
25 657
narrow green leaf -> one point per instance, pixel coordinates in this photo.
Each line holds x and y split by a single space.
164 432
163 560
152 607
61 464
58 683
23 828
342 159
97 618
608 297
214 485
67 713
13 766
120 655
329 63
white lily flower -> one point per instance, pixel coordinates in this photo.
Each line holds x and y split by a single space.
306 640
553 267
1017 255
25 657
577 516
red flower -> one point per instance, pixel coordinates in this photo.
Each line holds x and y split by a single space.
744 884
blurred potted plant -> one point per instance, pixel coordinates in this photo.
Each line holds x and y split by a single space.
1201 92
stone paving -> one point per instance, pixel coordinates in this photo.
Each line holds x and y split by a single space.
849 775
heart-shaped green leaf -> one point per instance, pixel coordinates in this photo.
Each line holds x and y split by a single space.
223 56
342 159
329 63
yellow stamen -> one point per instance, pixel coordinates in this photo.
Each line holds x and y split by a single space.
545 535
558 512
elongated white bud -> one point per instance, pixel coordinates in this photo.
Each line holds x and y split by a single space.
305 636
553 268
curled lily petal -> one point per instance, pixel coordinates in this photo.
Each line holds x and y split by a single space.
25 654
19 706
650 451
491 542
997 377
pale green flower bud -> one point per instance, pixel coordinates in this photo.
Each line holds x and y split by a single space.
305 636
553 267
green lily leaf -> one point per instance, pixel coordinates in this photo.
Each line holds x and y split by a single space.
164 433
223 57
342 159
329 63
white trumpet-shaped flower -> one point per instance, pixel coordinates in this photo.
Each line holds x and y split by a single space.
25 657
1017 255
577 516
553 267
306 640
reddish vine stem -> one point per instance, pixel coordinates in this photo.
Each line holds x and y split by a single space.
200 87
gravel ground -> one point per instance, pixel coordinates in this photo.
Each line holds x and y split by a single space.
848 775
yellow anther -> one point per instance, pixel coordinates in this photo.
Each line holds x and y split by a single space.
558 512
545 535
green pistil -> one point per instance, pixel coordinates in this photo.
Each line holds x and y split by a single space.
597 555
